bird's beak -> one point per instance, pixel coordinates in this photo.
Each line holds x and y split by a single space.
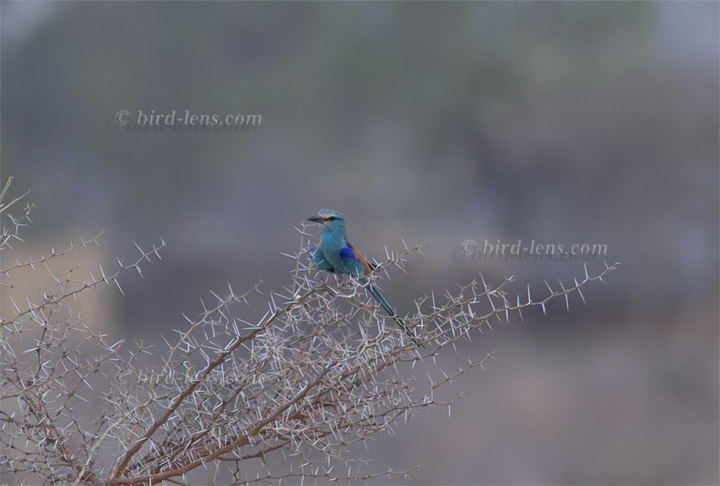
315 219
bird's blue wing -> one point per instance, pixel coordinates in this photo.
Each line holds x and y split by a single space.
347 253
353 261
319 259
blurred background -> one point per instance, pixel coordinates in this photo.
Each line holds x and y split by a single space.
558 122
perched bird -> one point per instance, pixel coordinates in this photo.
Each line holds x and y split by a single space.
336 254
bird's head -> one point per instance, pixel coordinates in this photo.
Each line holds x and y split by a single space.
329 219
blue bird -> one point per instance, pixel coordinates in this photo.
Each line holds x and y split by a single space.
336 254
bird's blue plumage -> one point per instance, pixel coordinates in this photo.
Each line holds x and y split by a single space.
347 253
337 254
319 260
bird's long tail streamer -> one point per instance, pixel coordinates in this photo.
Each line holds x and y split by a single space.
391 312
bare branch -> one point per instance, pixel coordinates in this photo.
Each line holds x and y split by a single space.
284 396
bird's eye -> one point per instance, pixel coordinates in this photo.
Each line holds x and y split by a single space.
332 218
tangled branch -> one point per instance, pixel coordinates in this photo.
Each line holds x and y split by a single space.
320 371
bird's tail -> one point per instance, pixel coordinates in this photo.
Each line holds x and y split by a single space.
391 312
